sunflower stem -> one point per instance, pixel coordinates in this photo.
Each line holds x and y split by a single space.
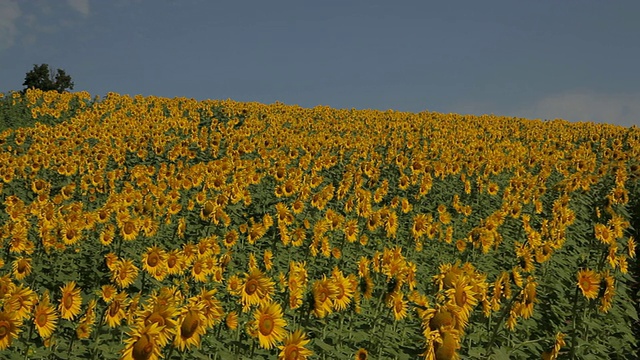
253 348
70 345
384 329
377 313
340 328
496 327
574 313
97 332
142 281
28 341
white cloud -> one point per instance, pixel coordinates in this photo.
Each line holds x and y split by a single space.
81 6
9 14
619 109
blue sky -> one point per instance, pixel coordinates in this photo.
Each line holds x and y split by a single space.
544 59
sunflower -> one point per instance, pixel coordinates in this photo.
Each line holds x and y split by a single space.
71 233
351 230
163 315
9 328
21 268
445 316
107 293
589 283
374 221
20 302
256 232
142 343
447 276
270 324
324 292
297 207
192 326
153 259
182 227
111 260
298 236
231 320
83 330
70 302
399 305
268 259
199 270
212 308
132 308
608 283
493 188
294 347
124 273
116 310
149 227
129 230
631 247
107 235
344 290
604 234
39 186
230 239
391 224
462 296
528 299
174 262
45 317
361 354
420 225
256 288
446 348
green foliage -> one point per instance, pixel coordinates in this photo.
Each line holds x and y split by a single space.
14 112
40 77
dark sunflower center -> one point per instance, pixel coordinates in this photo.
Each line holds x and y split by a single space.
114 308
71 233
67 301
197 268
291 353
189 325
251 287
128 228
4 329
22 267
153 259
155 318
266 325
322 296
41 320
585 284
462 298
143 348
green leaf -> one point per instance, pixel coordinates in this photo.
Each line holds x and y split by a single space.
500 354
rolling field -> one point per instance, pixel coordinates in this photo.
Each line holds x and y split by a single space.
146 228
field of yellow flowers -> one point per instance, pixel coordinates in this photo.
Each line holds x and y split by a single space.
146 228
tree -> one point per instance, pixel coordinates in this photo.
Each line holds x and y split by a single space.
41 78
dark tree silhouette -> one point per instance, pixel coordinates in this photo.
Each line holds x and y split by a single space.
41 78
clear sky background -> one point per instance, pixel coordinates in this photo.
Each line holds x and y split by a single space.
542 59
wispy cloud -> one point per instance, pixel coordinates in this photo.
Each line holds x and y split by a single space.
81 6
577 105
24 22
9 14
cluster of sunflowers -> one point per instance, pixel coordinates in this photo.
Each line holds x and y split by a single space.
147 228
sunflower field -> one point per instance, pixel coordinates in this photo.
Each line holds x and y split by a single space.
148 228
